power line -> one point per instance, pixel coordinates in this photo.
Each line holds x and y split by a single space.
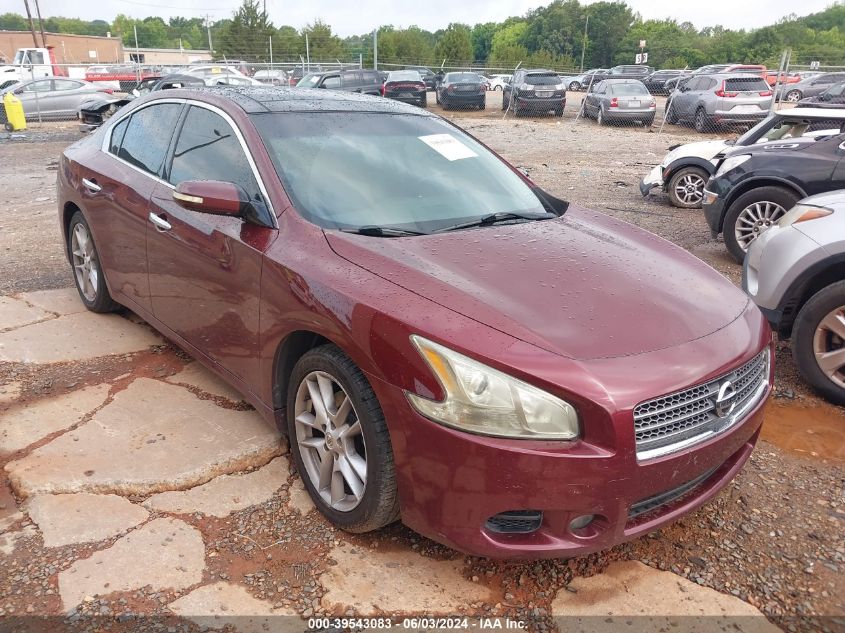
165 6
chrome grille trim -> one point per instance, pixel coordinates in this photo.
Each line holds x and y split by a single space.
675 421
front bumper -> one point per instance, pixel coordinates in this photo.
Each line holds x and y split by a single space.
451 483
714 211
652 180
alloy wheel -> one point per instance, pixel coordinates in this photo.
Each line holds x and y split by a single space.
330 441
690 189
754 219
829 346
793 96
85 264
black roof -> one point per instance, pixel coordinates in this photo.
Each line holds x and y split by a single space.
258 99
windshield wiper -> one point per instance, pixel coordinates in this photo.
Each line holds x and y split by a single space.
493 218
382 231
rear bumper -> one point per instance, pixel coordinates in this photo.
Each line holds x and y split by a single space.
629 115
414 97
544 103
745 117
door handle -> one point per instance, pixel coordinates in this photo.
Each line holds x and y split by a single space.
159 222
91 185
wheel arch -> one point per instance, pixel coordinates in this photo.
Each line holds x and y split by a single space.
809 282
289 350
756 183
68 210
686 161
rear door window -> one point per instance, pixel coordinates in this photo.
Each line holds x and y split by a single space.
148 136
746 84
332 82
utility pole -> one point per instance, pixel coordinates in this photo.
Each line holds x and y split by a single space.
31 23
375 49
40 24
271 53
137 52
307 53
208 28
584 43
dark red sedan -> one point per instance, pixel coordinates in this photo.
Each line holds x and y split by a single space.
441 340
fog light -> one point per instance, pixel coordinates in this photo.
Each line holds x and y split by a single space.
579 523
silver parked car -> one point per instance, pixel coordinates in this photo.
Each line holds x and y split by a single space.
709 101
810 86
53 98
272 76
794 273
620 100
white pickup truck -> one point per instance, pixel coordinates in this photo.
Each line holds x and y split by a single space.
29 63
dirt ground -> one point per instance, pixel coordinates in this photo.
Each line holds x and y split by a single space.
773 538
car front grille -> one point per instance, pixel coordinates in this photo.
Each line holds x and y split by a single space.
672 422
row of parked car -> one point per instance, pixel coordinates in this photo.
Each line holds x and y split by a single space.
777 196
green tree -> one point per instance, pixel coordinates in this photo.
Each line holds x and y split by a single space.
13 22
482 40
455 45
322 43
247 35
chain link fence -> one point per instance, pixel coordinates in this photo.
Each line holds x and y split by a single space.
707 103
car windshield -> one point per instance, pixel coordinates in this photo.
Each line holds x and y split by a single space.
777 127
628 89
309 81
542 79
462 78
418 173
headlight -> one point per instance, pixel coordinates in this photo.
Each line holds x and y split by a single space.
483 400
802 213
732 163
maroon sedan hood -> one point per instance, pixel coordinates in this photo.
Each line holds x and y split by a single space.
585 286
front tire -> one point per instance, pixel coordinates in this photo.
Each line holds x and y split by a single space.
574 86
686 187
794 96
751 214
818 342
340 443
87 271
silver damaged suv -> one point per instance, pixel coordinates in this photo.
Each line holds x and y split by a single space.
795 273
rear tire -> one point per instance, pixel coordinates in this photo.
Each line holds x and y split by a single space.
700 122
574 86
812 336
9 127
670 116
330 374
87 269
751 214
793 96
600 116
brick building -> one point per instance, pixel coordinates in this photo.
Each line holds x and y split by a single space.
69 49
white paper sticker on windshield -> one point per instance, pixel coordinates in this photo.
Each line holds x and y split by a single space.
448 146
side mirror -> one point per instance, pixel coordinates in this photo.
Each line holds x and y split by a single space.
212 196
19 91
216 197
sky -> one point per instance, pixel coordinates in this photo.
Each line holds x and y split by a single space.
360 16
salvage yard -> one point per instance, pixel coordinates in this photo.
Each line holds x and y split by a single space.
134 483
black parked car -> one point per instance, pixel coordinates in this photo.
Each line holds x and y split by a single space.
754 186
363 81
535 91
833 97
405 85
656 81
462 90
625 71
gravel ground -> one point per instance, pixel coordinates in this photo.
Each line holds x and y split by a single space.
774 537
